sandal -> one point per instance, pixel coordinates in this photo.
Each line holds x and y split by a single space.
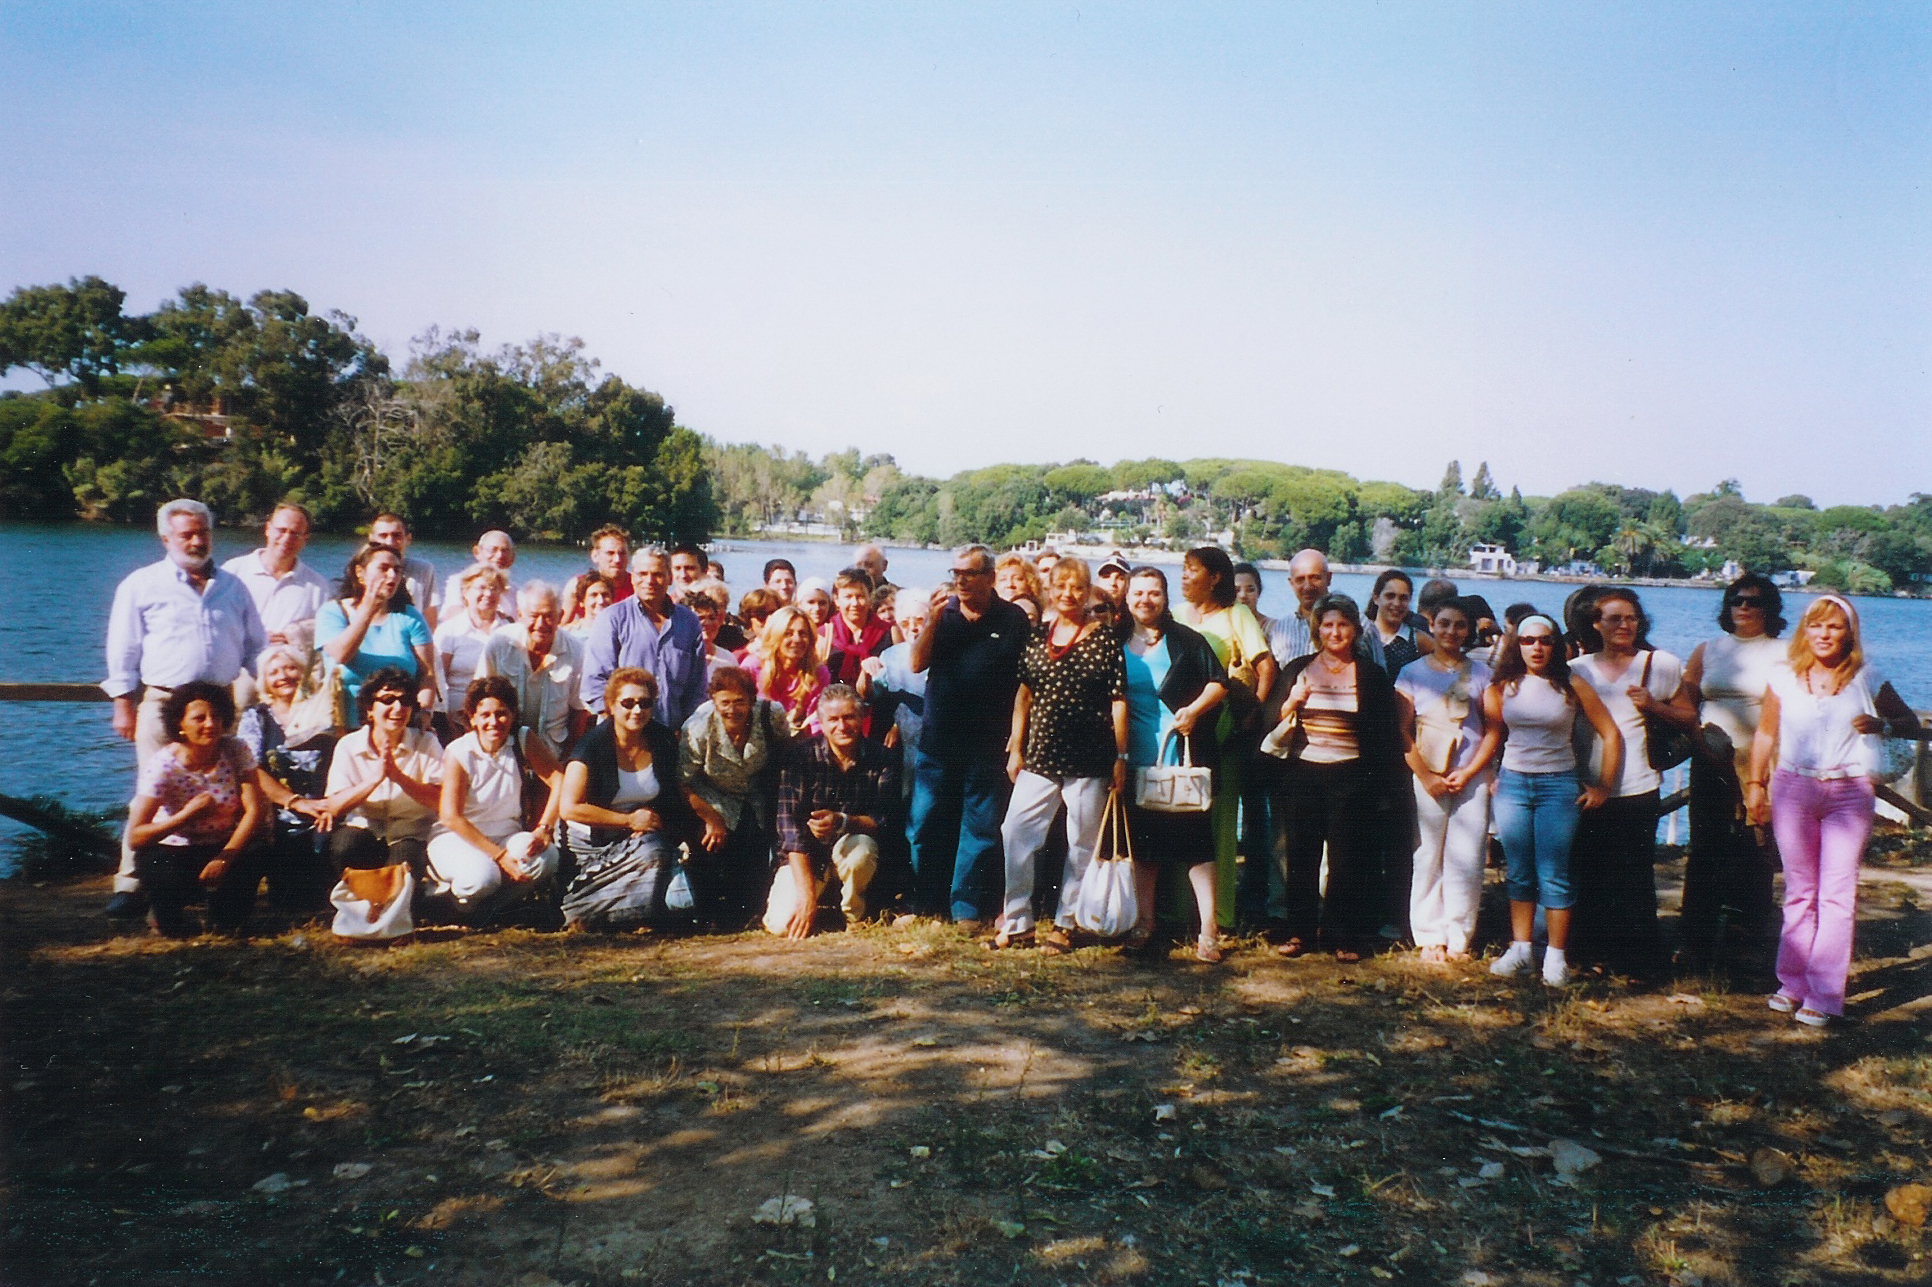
1782 1002
1811 1018
1208 951
1054 942
1433 954
1347 955
1138 938
1003 940
1292 948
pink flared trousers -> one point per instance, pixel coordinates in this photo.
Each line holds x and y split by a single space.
1822 827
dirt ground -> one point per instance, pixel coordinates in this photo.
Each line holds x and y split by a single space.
522 1108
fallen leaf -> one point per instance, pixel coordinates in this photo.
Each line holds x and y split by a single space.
1909 1204
789 1209
1770 1168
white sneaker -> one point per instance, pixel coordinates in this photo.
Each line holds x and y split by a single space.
1556 972
1513 962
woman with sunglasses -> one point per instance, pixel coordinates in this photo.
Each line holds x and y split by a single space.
385 779
1824 714
1614 924
626 810
1534 700
1727 876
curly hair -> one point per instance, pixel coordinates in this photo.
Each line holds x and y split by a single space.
220 701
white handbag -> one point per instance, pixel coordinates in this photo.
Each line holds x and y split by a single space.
373 905
1175 788
1106 904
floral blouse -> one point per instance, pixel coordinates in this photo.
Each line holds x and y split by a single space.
303 770
172 783
1070 729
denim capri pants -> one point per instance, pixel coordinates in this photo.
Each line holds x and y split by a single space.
1536 817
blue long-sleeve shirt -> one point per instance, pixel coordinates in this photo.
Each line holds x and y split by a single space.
673 653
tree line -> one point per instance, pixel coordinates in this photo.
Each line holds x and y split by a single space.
244 403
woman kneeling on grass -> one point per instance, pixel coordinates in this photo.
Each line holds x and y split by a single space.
481 855
626 810
195 815
1823 716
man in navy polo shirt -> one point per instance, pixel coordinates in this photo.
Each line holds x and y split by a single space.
970 654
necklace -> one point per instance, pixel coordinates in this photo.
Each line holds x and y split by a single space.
1334 669
1055 651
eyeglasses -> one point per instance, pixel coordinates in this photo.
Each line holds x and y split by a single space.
1751 601
972 572
631 703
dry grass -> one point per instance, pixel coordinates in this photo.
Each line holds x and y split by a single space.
604 1111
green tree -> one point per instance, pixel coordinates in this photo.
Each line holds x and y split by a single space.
1483 488
75 332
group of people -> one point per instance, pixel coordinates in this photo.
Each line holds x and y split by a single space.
634 747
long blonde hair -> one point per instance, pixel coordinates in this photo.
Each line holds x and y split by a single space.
776 680
1799 653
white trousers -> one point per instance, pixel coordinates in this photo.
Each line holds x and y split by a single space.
1452 840
472 876
855 860
1029 816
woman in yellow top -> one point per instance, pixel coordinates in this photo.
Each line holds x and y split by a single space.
1207 586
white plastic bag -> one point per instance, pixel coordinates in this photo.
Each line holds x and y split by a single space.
1107 905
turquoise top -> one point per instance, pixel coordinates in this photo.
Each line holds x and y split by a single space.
1148 719
391 640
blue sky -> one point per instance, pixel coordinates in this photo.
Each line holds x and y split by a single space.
1652 244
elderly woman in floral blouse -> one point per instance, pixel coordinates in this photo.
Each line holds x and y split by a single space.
728 755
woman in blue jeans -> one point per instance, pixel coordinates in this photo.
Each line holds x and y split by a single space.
1535 699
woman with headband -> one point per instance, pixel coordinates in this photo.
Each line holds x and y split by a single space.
1824 712
1727 875
1534 699
1615 853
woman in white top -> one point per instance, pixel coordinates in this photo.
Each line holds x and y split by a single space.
1824 714
385 779
1533 700
480 852
1614 858
460 636
1449 746
1727 874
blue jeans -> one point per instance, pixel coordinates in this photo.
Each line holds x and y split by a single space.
1536 815
954 827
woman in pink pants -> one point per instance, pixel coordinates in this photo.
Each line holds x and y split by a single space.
1823 716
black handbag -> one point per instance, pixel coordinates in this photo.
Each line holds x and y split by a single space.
1665 745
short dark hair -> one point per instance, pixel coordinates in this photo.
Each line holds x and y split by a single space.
1629 596
687 547
1774 622
297 506
772 565
1216 561
387 679
391 516
1252 571
220 700
486 687
1337 603
735 678
853 576
1515 612
1434 591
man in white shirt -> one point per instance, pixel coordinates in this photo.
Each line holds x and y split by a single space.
173 621
546 666
419 575
287 592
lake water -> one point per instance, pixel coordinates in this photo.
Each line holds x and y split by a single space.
61 581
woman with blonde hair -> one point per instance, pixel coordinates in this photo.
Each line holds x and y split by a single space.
1014 578
460 636
1823 717
788 663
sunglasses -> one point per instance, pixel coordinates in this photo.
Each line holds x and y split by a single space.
1747 601
631 703
1537 641
389 699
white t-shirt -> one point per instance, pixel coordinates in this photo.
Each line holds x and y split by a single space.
1437 695
494 802
1666 675
1540 718
459 645
634 790
390 812
1815 735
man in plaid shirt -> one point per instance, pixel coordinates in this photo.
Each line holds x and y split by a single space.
838 797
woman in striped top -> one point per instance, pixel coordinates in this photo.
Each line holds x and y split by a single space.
1344 761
